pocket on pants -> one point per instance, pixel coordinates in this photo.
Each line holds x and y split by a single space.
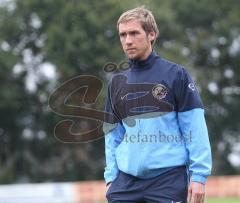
119 186
110 187
181 183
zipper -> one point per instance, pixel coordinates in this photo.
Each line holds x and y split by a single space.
140 147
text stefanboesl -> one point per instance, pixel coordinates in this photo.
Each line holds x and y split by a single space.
160 137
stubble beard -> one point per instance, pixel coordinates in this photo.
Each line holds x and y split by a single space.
136 56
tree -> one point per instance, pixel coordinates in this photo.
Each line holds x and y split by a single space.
44 43
211 35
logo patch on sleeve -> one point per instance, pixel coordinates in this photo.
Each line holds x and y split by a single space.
191 86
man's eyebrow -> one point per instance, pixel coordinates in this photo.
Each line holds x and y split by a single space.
121 33
130 31
134 31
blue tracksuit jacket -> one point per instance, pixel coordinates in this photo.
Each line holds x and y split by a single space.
156 121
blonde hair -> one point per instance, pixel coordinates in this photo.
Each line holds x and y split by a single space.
144 16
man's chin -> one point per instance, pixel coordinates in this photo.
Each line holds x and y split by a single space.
133 57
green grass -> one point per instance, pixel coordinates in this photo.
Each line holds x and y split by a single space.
222 200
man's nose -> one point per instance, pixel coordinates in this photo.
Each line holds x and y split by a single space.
128 39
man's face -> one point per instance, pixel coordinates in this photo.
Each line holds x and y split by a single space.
135 42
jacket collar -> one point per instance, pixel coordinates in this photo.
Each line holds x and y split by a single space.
138 65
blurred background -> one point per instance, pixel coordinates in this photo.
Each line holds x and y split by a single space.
44 43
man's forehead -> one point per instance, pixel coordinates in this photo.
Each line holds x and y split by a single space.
130 25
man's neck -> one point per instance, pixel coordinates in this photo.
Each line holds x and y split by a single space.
146 55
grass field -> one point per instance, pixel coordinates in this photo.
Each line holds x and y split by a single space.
223 200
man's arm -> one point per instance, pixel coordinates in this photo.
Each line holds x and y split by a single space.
193 127
194 130
114 132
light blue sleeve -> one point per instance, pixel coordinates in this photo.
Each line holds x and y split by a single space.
113 136
194 129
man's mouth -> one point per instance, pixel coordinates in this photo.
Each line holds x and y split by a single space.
131 49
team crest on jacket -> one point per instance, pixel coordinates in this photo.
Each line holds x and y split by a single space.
159 91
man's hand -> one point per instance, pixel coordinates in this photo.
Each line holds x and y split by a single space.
196 192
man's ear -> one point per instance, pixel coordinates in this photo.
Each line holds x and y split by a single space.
152 36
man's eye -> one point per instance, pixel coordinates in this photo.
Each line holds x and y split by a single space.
134 33
122 35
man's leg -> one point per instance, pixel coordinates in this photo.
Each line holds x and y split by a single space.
125 189
169 187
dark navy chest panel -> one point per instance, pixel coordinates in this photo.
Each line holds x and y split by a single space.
142 92
164 87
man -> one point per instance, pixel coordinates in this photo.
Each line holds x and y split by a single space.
156 143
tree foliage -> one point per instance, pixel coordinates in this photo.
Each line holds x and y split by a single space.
43 43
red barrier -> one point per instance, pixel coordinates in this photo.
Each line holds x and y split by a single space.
90 191
223 186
